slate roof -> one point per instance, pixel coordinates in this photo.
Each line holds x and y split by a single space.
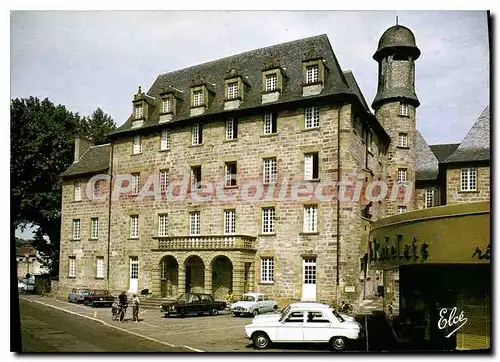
351 81
95 159
426 163
442 151
249 65
476 144
397 37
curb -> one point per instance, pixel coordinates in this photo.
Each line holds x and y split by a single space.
112 326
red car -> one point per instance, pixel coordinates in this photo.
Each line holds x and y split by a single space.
98 297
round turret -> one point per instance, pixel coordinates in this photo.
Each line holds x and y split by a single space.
396 40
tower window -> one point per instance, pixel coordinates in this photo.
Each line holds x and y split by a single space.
403 109
402 174
403 140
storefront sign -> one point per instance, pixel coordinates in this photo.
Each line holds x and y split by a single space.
397 249
450 320
480 254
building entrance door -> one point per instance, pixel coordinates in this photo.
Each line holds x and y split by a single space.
309 279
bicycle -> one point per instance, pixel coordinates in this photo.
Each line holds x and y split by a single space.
344 307
118 311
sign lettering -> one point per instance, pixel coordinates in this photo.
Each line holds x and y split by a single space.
451 320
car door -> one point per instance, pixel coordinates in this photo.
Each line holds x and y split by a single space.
291 328
317 327
268 303
260 304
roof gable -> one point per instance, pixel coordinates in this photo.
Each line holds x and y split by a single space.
426 163
476 144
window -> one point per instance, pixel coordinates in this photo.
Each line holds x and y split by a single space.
268 214
403 109
194 223
99 267
134 267
163 181
311 168
310 219
135 183
137 145
231 129
269 123
271 82
468 179
164 140
232 90
312 74
198 98
230 174
195 177
267 270
432 197
196 135
72 267
97 189
94 228
270 170
138 112
403 140
402 174
229 222
134 226
162 225
401 209
76 229
166 105
309 270
312 117
369 141
78 191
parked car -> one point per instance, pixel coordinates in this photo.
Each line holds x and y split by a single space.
77 295
98 297
304 322
253 303
193 303
25 285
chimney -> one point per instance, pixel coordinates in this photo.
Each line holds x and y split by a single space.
81 145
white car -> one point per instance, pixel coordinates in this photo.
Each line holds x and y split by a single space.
253 303
304 322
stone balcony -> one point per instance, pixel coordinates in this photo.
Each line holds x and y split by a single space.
205 242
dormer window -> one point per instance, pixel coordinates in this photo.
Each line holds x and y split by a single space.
232 90
312 74
166 105
198 98
271 82
139 113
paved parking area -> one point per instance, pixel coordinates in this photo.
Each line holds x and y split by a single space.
221 333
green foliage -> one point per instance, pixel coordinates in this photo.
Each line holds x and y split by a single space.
42 147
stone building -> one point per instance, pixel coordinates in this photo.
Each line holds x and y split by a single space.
226 176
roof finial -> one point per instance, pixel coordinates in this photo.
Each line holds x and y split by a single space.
139 91
397 18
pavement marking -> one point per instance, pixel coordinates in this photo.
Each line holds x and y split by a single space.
144 311
76 305
149 324
205 330
193 349
104 323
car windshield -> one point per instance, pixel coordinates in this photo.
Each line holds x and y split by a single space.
339 317
285 312
100 292
182 298
247 298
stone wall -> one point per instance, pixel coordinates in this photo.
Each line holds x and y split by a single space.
453 193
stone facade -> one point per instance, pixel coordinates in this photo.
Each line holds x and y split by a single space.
454 195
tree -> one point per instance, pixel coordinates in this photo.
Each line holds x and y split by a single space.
97 126
42 143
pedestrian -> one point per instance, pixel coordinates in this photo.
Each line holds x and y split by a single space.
135 308
229 298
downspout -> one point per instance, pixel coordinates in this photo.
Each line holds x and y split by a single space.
338 204
109 211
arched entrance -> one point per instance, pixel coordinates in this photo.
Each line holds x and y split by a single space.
169 277
195 275
222 277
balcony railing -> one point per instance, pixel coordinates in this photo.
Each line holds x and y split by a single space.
205 242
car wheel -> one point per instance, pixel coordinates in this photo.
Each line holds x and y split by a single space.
214 311
167 315
255 312
275 309
181 313
338 343
92 305
260 340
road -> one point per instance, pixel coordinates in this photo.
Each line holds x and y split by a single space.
44 329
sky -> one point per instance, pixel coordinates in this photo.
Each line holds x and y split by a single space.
90 59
